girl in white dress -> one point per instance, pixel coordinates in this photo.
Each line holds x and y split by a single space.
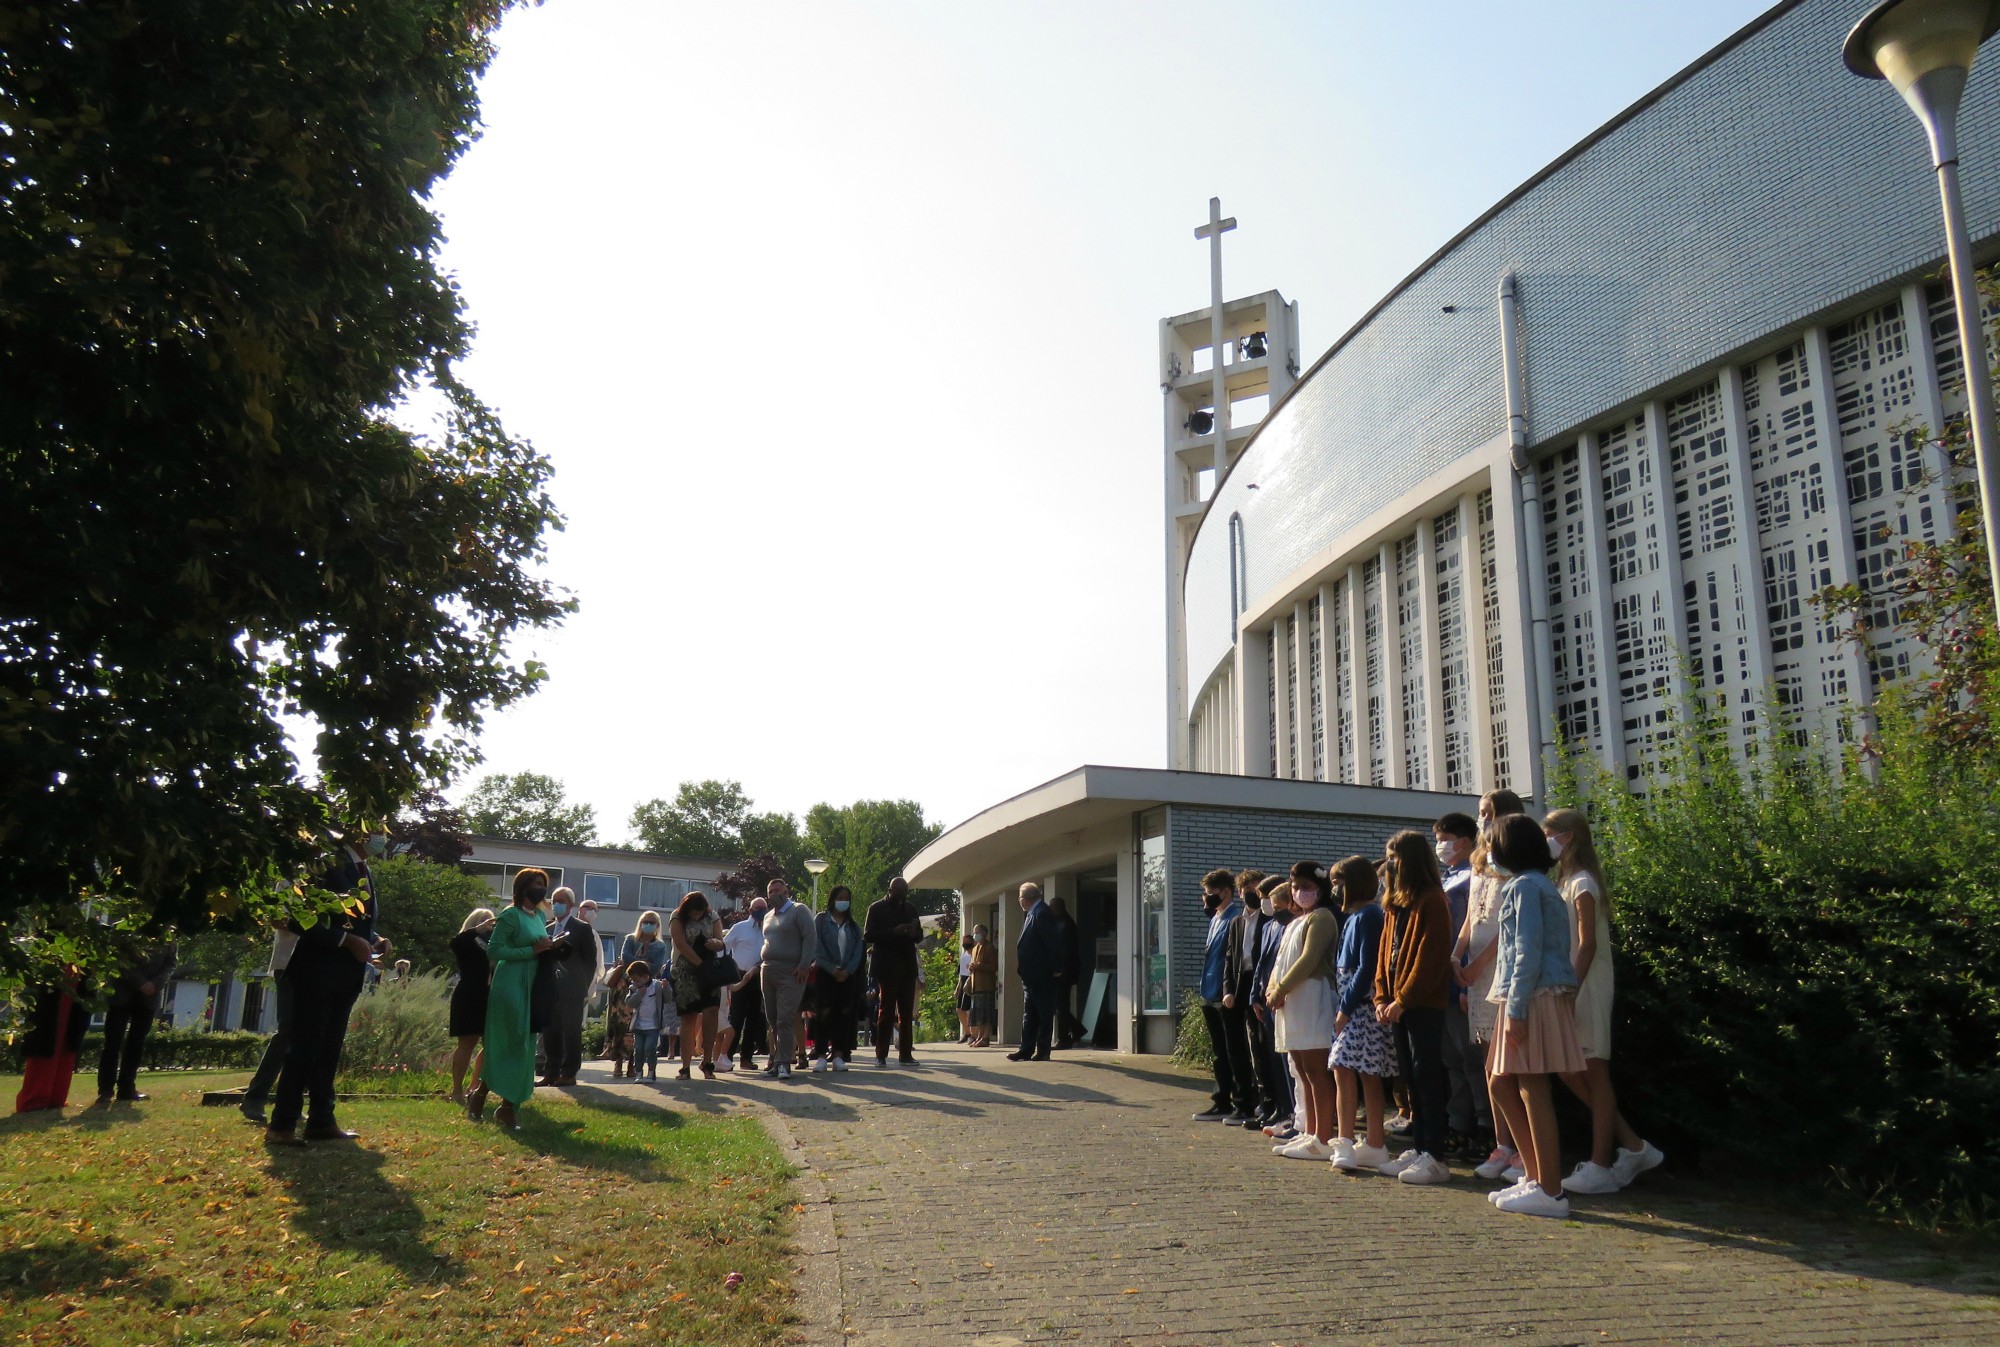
1581 879
1300 994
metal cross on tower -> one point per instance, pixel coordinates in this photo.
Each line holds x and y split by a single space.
1213 232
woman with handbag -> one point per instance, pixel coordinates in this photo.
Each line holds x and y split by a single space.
700 972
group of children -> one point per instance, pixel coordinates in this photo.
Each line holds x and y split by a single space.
1468 967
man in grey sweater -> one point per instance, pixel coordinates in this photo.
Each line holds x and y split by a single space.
789 948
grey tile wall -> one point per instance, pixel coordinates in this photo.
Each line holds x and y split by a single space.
1203 839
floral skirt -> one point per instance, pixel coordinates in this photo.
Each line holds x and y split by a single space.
1366 1045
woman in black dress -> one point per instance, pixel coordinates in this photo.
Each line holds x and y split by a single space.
468 998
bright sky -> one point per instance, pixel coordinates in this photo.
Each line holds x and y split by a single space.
839 323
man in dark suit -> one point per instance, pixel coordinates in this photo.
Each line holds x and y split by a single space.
893 929
327 969
1239 971
575 955
135 1000
1037 956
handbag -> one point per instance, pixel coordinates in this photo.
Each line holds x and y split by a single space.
716 972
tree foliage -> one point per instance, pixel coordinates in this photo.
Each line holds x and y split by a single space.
704 819
866 844
422 905
431 829
218 277
529 807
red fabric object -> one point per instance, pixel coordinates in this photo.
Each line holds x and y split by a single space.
45 1080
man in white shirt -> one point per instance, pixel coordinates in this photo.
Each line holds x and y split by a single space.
744 942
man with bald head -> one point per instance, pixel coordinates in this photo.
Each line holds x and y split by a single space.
892 932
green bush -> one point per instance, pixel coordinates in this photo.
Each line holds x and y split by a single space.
937 1005
1191 1045
174 1050
1808 963
400 1025
593 1038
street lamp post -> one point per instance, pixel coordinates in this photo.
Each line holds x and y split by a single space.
816 867
1925 48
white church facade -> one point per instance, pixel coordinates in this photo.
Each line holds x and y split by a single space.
1597 454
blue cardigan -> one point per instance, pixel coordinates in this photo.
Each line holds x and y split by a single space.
1360 940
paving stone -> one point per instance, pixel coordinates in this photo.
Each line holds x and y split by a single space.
985 1202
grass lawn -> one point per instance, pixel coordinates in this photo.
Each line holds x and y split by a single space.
165 1222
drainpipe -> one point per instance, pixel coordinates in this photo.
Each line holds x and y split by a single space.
1528 485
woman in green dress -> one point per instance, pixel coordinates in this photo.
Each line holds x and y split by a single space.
518 936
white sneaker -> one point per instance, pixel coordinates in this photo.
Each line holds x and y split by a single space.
1399 1164
785 1072
1588 1177
822 1064
1426 1169
1532 1201
1370 1157
1307 1147
724 1065
1631 1164
840 1064
1512 1188
1343 1154
1498 1163
1514 1173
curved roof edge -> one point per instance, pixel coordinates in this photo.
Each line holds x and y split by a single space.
1548 170
1043 815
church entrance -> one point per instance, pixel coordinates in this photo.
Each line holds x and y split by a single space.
1095 992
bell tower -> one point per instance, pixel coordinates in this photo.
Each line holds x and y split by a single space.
1222 369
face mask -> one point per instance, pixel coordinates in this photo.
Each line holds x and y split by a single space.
562 909
1306 901
1444 850
978 939
1486 829
1555 848
1502 870
647 927
1268 908
841 905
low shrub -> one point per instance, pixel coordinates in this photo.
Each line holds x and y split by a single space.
403 1024
170 1049
937 1003
593 1038
1192 1047
1808 964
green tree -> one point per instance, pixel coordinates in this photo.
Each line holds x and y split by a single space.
422 905
778 836
218 277
704 819
867 843
529 807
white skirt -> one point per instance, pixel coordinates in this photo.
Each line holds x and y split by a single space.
1305 1022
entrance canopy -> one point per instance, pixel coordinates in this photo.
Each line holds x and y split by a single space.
1124 848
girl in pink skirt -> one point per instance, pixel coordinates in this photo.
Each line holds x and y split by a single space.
1534 985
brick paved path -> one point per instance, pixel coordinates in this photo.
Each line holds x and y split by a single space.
983 1202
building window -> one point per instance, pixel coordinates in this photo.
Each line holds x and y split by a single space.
1154 998
500 878
661 895
601 889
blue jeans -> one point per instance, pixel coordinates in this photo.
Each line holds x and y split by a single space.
646 1051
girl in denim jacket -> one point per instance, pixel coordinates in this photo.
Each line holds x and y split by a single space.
1534 985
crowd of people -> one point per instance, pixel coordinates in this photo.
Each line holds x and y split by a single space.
710 989
1457 975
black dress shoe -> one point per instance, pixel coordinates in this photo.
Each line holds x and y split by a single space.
253 1111
330 1134
1019 1056
132 1097
1039 1057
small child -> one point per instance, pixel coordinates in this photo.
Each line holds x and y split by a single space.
617 1023
644 999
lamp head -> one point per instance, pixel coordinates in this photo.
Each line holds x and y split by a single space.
816 867
1902 41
